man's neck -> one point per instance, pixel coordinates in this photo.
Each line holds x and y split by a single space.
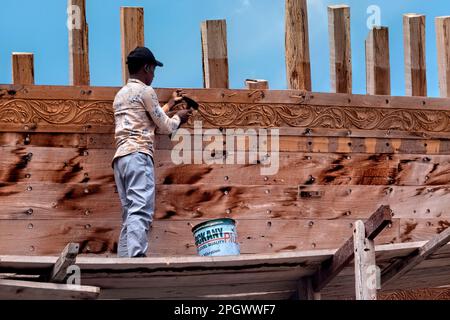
137 77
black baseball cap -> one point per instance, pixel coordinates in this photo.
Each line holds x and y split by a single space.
143 54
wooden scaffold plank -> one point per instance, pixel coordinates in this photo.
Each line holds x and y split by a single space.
298 65
27 290
23 68
414 48
78 43
378 71
340 48
404 265
443 51
132 34
215 54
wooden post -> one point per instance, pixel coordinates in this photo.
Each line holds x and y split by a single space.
298 66
443 50
215 55
415 63
306 291
340 48
78 43
132 34
365 266
23 68
66 259
256 84
378 70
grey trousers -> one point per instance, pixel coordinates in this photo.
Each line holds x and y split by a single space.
134 176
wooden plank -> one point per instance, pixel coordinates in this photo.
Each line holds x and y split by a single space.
365 265
443 52
66 259
23 68
132 34
79 74
215 54
378 69
298 66
295 97
26 290
331 268
340 48
403 266
47 237
256 84
414 49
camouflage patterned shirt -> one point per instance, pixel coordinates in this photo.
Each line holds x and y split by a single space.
137 114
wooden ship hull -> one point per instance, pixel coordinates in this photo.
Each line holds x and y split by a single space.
341 157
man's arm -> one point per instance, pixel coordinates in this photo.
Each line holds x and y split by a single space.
158 114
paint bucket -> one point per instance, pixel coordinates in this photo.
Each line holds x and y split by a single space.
216 238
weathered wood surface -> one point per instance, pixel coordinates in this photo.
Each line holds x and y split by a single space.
443 50
340 48
250 275
215 54
417 294
298 65
99 236
79 74
27 290
378 68
415 57
132 34
65 260
23 68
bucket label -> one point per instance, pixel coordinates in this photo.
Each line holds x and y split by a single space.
217 241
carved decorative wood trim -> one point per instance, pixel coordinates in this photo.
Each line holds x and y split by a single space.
418 294
70 112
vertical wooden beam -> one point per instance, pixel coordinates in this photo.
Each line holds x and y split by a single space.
132 34
415 63
340 48
378 69
215 54
298 66
23 68
256 84
306 291
66 259
364 248
78 43
443 50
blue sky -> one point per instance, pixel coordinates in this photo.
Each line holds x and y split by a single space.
172 31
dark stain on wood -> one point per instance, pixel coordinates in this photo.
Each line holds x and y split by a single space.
24 159
168 179
443 225
288 248
92 245
409 227
168 214
191 191
70 175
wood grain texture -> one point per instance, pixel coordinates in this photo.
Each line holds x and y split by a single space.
415 58
378 69
298 66
215 54
443 54
79 74
132 34
23 68
340 48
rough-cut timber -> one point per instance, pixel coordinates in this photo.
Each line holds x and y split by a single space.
215 54
78 43
66 259
378 69
340 48
132 33
415 57
23 68
256 84
298 66
443 51
365 264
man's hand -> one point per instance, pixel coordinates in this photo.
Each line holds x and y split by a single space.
184 115
176 98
